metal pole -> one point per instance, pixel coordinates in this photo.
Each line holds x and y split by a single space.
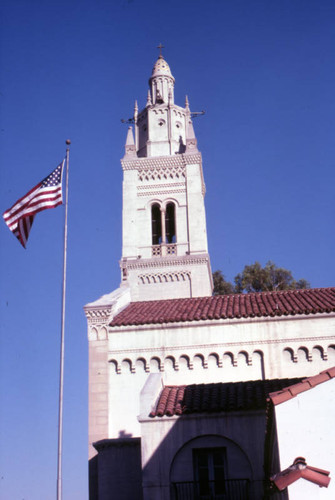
61 374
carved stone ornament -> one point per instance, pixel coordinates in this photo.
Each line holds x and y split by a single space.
156 278
162 161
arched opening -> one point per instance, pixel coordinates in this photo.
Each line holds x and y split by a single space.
169 364
155 365
303 355
141 365
210 467
259 360
184 362
170 225
156 224
114 369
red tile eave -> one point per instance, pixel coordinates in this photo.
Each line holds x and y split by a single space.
283 481
300 387
290 392
288 305
280 397
312 474
273 305
215 397
327 298
320 471
319 478
263 304
324 302
318 379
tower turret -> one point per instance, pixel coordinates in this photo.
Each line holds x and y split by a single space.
164 251
161 125
161 82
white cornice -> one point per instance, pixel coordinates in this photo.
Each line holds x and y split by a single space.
101 312
165 262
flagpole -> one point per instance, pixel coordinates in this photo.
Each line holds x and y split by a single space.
61 374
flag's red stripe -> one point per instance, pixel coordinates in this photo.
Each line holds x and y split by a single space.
55 200
20 207
14 223
22 201
41 199
19 218
43 206
23 230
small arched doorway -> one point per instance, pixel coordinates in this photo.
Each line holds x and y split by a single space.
210 467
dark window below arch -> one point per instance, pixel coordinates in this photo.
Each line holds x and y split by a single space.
156 224
170 225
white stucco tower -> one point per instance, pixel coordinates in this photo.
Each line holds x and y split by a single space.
164 245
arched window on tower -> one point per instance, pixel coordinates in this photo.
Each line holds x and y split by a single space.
170 224
156 224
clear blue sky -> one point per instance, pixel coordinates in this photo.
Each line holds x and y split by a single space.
264 73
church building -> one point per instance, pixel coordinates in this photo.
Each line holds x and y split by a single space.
180 381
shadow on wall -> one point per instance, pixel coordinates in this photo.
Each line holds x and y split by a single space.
115 473
194 456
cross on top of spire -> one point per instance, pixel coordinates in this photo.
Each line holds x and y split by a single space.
160 47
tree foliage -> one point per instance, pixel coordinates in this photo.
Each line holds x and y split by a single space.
255 278
221 286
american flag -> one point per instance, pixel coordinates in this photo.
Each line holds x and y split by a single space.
47 194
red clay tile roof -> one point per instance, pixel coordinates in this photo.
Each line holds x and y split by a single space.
282 395
209 398
299 469
262 304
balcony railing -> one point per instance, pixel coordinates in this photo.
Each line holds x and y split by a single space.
164 249
230 489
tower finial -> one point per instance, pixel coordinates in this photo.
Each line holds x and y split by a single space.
130 148
187 104
160 47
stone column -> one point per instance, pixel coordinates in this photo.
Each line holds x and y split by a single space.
163 232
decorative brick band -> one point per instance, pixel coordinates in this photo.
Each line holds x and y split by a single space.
179 160
170 185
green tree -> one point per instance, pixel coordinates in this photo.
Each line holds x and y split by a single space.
255 278
221 286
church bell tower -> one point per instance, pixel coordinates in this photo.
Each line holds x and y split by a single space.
164 244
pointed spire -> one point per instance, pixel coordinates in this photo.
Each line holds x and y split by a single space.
130 148
130 137
149 101
191 141
187 105
135 112
190 130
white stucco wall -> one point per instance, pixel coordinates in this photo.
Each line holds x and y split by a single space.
211 351
305 427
